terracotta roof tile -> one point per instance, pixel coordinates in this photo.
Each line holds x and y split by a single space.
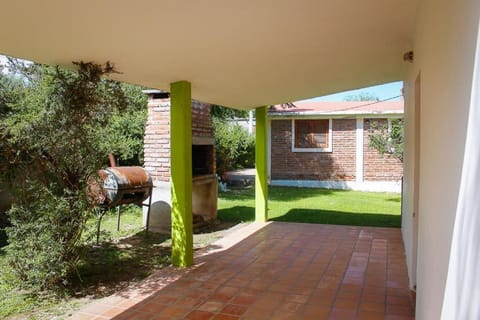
340 107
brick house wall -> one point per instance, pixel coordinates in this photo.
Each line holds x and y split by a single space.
157 134
339 165
377 167
335 165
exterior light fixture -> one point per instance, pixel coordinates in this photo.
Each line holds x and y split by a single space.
408 56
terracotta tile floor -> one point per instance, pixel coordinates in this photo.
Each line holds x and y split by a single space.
277 271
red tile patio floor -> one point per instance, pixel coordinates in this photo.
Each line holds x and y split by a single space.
277 271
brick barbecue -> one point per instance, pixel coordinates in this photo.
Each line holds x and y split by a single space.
157 153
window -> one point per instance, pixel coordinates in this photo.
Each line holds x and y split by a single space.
313 135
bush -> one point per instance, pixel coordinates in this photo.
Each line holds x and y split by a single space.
3 237
45 237
387 140
51 146
234 146
126 129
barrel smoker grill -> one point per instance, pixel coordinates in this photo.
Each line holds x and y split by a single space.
124 185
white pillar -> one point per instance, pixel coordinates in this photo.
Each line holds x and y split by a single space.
359 151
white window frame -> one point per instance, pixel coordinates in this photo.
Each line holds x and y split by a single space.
329 149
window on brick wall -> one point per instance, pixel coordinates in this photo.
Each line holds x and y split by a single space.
312 135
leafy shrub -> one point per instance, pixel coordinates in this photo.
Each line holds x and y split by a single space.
126 129
44 239
3 237
51 146
387 140
234 146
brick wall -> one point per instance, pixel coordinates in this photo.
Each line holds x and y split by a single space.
201 120
157 134
377 167
340 164
156 146
333 165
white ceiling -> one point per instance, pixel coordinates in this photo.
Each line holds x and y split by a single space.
241 54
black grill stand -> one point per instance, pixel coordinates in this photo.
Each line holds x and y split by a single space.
102 210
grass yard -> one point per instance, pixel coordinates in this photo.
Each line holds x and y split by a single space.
315 206
123 257
128 255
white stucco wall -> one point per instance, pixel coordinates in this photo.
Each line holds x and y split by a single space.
367 186
408 180
462 292
445 41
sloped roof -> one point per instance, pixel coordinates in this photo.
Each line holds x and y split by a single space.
339 108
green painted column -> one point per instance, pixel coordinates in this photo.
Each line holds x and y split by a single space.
181 173
261 170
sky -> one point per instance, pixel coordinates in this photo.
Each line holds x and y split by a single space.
384 91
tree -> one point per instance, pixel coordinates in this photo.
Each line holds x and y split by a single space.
234 146
383 138
224 113
387 139
53 127
362 96
126 129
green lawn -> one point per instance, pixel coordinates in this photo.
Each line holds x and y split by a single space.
128 255
123 257
111 255
315 206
